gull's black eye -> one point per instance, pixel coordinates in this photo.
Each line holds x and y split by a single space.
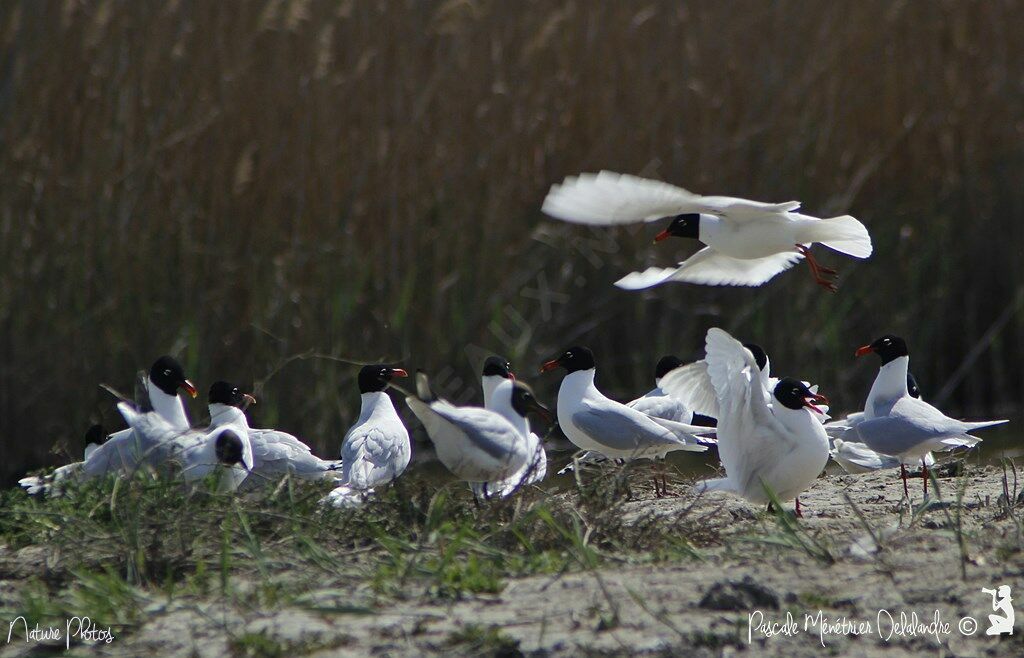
383 373
167 373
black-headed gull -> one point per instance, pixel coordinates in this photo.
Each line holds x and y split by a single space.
275 454
782 447
897 424
124 451
376 449
595 422
198 453
857 457
496 370
657 402
477 444
692 385
748 242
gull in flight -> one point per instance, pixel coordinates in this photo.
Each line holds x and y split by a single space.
746 242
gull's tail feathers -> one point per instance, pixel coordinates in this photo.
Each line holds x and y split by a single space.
843 234
982 424
345 497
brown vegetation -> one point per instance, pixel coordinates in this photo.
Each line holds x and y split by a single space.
241 183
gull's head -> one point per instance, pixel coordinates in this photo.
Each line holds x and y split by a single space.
573 359
912 387
888 347
376 377
496 366
229 448
168 375
683 226
794 394
665 365
228 394
524 401
759 354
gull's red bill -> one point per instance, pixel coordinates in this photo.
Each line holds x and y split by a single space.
189 388
549 365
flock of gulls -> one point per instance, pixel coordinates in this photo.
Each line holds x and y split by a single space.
773 435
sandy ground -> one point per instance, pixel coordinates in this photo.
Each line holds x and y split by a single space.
707 606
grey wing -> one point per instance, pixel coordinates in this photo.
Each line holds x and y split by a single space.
662 406
625 432
692 386
277 453
488 430
891 435
910 424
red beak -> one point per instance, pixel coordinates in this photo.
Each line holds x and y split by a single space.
550 365
861 351
398 372
511 375
189 388
664 235
810 400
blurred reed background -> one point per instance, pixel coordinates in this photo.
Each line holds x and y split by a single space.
251 184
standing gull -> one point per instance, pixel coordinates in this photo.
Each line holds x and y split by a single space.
477 444
495 371
782 447
375 450
902 426
595 422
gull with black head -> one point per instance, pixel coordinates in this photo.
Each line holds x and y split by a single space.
125 451
479 445
496 370
747 242
900 425
193 455
376 449
779 447
597 423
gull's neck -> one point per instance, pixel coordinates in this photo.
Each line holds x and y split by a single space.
489 383
501 404
575 387
375 404
170 407
710 226
890 384
225 414
801 423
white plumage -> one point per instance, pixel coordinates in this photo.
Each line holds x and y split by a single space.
777 446
595 422
376 449
748 242
476 444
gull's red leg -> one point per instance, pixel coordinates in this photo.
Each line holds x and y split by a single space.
924 474
799 514
903 476
823 276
